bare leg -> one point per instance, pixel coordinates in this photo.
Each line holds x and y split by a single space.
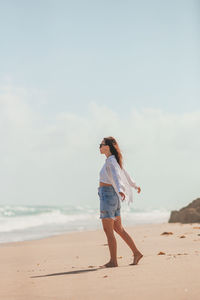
108 229
127 238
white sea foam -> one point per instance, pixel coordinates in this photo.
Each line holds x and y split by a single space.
154 216
55 217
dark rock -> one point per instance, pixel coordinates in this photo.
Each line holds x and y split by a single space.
188 214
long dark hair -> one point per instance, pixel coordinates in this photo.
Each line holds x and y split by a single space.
114 148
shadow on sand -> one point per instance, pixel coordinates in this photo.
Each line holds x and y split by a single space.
67 273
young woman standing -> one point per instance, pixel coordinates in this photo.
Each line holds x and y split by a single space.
115 184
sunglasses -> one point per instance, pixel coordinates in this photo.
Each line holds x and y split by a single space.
100 145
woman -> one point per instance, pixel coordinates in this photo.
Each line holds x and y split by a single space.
115 184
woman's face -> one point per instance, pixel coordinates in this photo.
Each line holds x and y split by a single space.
104 148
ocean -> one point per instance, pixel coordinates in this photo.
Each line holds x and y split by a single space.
29 222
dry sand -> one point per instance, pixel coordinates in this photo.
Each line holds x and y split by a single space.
67 266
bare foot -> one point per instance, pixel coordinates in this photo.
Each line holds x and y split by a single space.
109 265
137 257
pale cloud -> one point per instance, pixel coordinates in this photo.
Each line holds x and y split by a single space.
57 161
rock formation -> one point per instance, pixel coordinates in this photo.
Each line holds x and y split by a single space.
188 214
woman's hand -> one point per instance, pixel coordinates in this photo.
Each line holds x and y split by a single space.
138 189
123 195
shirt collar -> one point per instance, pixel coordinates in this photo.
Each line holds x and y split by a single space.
110 156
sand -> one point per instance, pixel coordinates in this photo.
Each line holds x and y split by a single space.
67 266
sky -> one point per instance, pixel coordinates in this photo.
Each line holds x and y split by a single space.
73 72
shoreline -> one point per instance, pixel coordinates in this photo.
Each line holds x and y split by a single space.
78 231
96 226
66 266
34 222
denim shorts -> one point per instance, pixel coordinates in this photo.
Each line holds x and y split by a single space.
109 202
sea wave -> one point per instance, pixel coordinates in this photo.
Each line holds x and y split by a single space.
18 223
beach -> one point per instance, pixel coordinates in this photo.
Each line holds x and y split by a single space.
66 267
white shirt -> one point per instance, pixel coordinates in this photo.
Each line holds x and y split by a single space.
111 173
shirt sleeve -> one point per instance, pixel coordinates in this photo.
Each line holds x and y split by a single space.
130 180
115 173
